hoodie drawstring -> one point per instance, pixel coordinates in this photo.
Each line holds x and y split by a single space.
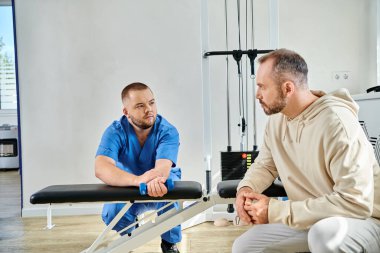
285 128
300 127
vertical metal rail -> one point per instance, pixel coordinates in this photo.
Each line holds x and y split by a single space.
206 95
229 148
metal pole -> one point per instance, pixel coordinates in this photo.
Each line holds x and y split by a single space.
206 95
229 148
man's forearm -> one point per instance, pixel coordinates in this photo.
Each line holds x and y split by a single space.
163 172
117 177
163 167
106 171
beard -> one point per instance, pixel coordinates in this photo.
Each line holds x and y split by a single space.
277 106
142 124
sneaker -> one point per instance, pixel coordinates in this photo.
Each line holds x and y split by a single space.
169 248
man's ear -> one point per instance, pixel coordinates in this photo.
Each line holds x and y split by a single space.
125 111
288 88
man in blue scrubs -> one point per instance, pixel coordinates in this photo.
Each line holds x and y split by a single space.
141 147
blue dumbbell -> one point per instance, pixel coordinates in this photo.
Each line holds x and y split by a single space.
169 184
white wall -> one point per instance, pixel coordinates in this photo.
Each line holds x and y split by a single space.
332 36
76 56
74 59
373 27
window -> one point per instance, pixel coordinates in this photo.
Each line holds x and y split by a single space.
8 94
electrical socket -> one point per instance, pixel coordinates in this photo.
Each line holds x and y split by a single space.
341 76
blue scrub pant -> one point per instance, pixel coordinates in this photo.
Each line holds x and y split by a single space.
173 235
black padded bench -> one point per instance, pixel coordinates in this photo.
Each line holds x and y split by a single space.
227 189
104 193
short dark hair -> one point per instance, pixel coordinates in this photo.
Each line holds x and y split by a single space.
287 65
132 87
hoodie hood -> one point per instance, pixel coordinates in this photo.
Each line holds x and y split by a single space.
341 98
338 98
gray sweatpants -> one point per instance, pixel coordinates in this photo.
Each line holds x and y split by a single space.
330 235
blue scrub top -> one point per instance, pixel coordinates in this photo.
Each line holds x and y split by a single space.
120 143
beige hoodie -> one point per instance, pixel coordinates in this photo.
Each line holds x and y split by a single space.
325 162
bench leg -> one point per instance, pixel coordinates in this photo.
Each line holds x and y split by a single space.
164 222
49 224
101 238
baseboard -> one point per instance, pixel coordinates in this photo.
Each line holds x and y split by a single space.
212 214
63 210
220 215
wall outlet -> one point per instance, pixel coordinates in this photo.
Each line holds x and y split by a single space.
341 76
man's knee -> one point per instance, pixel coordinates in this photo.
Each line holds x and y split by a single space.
239 246
253 240
328 235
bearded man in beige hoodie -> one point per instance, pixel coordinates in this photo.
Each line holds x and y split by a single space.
315 144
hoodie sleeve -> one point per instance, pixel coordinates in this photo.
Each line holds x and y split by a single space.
349 162
263 171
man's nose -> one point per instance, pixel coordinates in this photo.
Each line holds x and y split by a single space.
258 94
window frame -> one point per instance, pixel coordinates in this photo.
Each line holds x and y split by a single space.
8 112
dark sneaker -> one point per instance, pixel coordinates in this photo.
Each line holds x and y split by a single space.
169 248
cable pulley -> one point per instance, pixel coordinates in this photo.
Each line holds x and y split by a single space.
237 55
